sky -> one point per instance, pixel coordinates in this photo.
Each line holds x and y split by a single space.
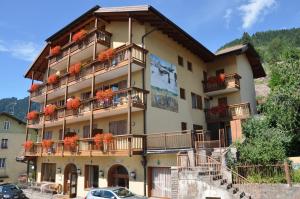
24 26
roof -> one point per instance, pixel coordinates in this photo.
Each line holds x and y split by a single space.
252 56
12 117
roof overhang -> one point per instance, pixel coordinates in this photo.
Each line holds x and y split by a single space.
251 54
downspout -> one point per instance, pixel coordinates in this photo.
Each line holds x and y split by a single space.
144 161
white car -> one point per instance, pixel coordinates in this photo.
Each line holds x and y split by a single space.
112 193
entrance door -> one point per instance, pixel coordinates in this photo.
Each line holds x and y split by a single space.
118 176
70 180
161 182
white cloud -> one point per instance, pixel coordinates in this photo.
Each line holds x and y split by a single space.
227 16
20 49
253 9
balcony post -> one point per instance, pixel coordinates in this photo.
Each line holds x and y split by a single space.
29 106
129 74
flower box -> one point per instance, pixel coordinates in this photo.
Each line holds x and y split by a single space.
73 103
79 35
55 50
50 109
75 69
33 115
53 79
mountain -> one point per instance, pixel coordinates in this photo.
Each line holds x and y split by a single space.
270 45
16 107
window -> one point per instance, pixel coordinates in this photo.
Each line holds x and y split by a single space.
183 126
221 71
182 93
4 143
189 66
60 134
91 176
180 61
48 172
2 162
196 101
197 127
6 125
86 95
118 127
107 194
47 135
60 103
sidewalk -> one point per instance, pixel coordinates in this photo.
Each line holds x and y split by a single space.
32 194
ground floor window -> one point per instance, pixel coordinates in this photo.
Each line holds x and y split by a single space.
91 176
48 172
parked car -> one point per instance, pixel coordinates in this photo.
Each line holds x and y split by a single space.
112 193
11 191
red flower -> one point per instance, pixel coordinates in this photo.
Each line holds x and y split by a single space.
103 95
28 145
79 35
55 50
98 139
71 141
47 144
34 87
107 138
50 109
73 103
75 69
52 79
106 55
32 115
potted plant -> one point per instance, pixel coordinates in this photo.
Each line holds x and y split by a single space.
222 77
55 50
32 115
50 109
73 103
28 145
34 87
98 140
79 35
106 55
47 144
71 142
75 69
107 139
53 79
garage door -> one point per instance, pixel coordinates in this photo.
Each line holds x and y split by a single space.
161 182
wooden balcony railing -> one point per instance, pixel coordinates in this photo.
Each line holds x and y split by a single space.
121 145
214 84
103 37
227 113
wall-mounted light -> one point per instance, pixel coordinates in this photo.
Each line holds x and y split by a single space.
133 175
101 173
79 172
32 167
58 170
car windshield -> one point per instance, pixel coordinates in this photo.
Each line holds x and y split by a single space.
123 193
11 187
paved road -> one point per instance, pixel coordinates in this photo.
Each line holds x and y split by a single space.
38 195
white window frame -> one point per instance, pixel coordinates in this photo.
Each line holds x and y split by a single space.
6 125
2 163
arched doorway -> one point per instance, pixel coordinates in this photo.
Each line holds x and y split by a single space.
118 176
70 180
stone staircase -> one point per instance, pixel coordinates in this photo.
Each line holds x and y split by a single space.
208 166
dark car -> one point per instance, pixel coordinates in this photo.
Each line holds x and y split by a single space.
11 191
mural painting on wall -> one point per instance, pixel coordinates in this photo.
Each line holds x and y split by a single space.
164 89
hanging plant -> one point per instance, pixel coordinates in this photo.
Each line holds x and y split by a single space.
100 95
50 109
34 87
55 50
109 94
73 103
28 145
221 77
106 55
79 35
71 141
107 138
98 139
47 144
32 115
75 69
53 79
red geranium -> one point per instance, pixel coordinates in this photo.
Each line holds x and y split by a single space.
73 103
71 141
75 69
103 95
32 115
47 144
79 35
28 145
55 50
50 109
106 55
107 138
34 87
52 79
98 139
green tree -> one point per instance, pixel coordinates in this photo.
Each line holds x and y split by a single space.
246 38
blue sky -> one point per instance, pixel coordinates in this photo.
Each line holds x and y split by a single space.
24 25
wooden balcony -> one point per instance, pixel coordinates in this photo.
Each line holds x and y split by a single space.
118 105
213 86
103 71
228 113
103 38
121 145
